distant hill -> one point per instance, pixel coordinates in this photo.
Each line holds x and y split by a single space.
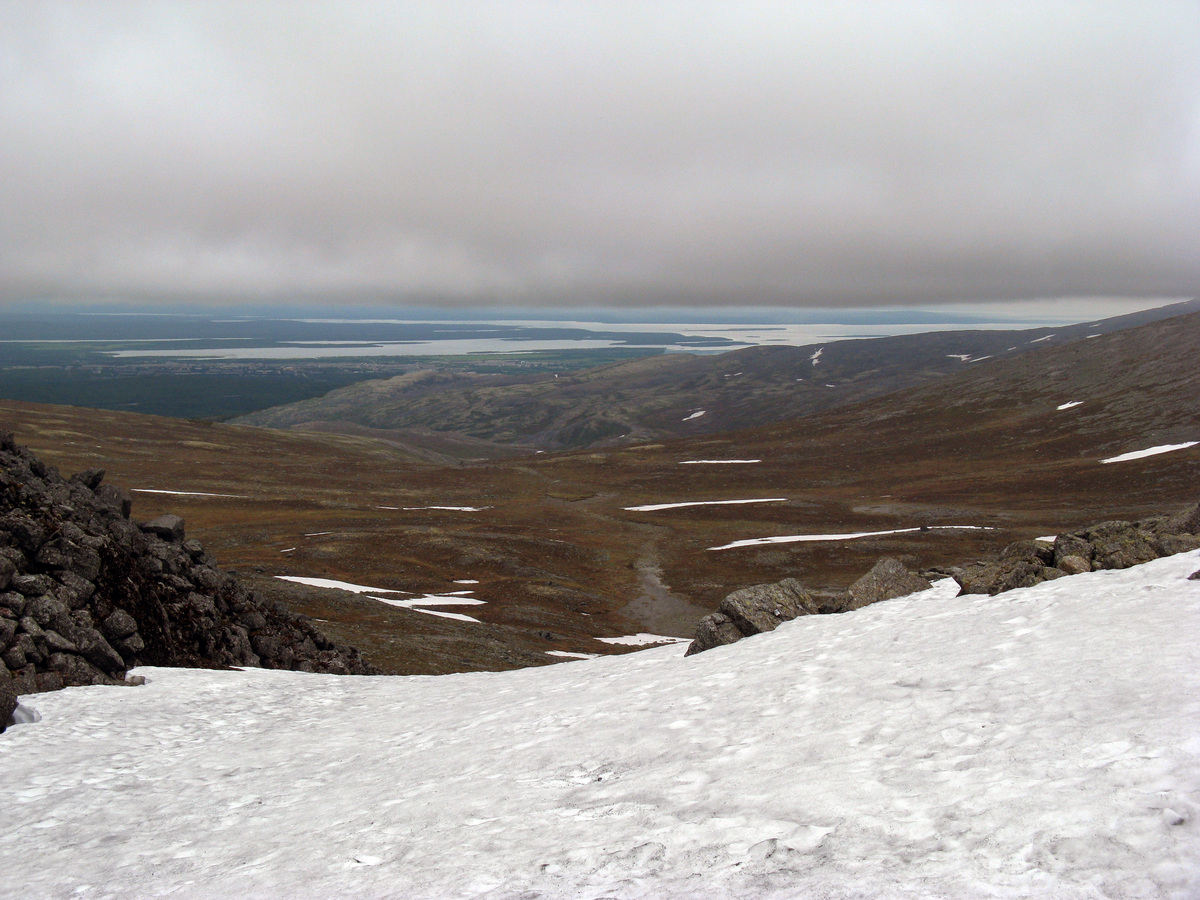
661 396
561 548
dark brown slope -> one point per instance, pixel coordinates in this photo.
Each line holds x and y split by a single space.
560 559
658 397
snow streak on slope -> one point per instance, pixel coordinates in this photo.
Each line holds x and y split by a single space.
1150 451
1042 743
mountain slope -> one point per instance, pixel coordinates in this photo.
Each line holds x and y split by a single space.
562 555
1041 743
669 395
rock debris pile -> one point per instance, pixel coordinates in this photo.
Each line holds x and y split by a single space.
1108 545
86 592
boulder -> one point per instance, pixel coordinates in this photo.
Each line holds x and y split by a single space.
168 527
1073 565
1170 544
1186 521
996 578
89 478
887 580
7 569
1195 576
119 625
116 499
764 607
714 630
1120 545
1072 545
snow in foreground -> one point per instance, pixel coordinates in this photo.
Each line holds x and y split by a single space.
1044 743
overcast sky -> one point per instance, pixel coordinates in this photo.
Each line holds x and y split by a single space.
559 153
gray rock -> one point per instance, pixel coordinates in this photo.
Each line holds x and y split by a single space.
8 633
714 630
89 478
48 681
14 658
1195 576
887 580
1049 573
14 602
1074 565
81 589
119 625
168 527
1120 545
56 643
49 612
76 671
8 698
1170 544
30 626
129 647
1186 521
117 499
33 585
7 569
1072 545
96 650
764 607
996 578
1030 551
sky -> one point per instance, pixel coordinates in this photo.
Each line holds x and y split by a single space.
559 155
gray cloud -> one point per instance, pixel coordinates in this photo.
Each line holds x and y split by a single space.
722 153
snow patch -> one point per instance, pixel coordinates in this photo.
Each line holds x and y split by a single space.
188 493
643 639
339 585
806 538
719 462
1071 404
654 507
567 654
695 415
816 357
1149 451
449 508
1042 744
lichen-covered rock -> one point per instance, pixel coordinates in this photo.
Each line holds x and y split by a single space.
1072 545
1074 565
1186 521
887 580
996 578
1120 545
764 607
714 630
750 611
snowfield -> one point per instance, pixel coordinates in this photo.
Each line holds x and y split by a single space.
1044 743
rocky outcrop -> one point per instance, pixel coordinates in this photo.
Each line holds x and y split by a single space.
87 593
887 580
1106 545
752 610
764 607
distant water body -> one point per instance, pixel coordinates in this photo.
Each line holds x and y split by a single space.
522 337
197 337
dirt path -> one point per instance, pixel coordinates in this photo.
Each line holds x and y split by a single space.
658 609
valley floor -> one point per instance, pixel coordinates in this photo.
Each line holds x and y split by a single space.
1043 743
